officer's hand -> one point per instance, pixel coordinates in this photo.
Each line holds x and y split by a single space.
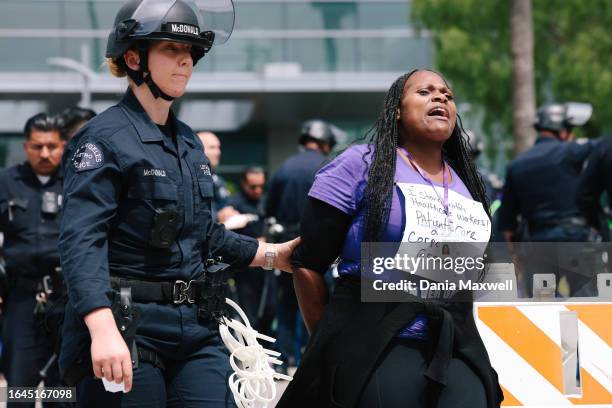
110 356
283 254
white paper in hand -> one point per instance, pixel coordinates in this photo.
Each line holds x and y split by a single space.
112 386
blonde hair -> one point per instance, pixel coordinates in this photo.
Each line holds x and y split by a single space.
115 69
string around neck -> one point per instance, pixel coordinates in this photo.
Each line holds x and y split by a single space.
405 154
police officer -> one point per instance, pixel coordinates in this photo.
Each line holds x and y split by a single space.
256 288
595 179
541 183
492 183
137 222
285 202
212 146
74 118
30 203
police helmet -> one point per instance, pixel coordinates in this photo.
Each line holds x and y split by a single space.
474 141
562 116
319 131
171 20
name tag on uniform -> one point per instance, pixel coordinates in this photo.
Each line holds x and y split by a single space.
154 172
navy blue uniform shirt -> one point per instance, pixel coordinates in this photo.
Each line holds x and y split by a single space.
290 185
120 170
596 178
541 183
30 236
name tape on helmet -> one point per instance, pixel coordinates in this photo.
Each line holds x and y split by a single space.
88 156
182 28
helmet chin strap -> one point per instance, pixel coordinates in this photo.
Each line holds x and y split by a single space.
155 90
143 74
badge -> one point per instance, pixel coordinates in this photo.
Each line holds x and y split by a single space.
204 169
88 156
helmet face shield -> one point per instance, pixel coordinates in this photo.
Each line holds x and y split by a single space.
577 114
172 20
150 15
322 132
219 17
557 117
183 18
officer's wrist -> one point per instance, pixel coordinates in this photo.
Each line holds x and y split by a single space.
99 321
270 256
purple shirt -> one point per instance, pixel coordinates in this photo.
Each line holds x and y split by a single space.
342 183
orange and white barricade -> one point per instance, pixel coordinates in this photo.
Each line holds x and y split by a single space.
550 354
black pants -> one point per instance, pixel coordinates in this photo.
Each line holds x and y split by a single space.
195 383
26 345
399 381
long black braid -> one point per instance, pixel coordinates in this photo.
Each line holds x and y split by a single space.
383 143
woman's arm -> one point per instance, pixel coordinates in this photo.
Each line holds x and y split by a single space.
311 293
323 231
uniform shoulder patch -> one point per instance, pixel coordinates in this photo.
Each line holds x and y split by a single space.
88 156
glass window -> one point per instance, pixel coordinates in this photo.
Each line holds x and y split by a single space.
104 12
25 14
251 16
28 54
244 55
383 15
395 54
324 54
90 14
321 16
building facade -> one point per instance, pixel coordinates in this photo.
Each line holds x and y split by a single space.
287 61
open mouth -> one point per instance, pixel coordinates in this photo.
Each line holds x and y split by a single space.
439 112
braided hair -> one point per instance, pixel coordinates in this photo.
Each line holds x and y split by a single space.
382 141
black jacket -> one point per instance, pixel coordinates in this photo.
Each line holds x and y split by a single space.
351 336
595 179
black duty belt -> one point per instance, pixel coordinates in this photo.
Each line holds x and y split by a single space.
208 291
560 222
33 284
177 292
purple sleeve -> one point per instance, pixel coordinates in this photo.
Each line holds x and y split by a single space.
341 182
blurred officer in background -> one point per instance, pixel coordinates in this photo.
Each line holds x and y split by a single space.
285 202
30 203
595 180
212 149
73 119
541 184
492 183
256 288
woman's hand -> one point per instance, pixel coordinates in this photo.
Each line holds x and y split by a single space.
110 356
283 254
